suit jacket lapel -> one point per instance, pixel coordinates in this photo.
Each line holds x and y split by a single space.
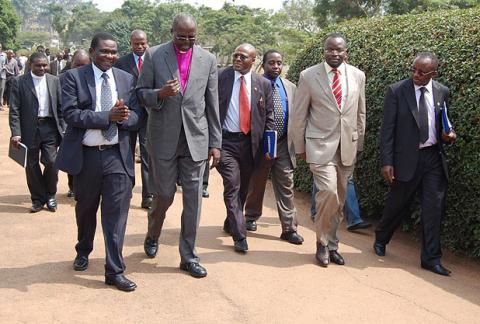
289 91
229 86
412 100
349 78
121 90
90 77
254 92
133 66
195 64
30 85
171 60
437 96
322 78
51 95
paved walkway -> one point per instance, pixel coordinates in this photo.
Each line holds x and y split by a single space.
275 282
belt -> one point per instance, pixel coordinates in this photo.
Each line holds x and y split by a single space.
44 119
102 147
238 135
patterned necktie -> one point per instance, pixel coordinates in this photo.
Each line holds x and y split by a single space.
277 110
337 87
244 108
139 66
106 103
423 116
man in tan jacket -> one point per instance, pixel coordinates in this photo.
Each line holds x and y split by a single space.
329 123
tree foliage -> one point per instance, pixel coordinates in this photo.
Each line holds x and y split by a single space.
9 22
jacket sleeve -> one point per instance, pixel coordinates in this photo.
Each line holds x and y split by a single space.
14 111
387 131
300 113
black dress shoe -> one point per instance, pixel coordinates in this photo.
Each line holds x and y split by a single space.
70 194
379 248
322 255
121 282
251 225
52 204
437 268
359 226
80 263
36 207
194 268
150 247
241 246
205 193
292 237
336 258
147 203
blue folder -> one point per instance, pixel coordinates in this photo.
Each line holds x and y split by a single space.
270 143
446 124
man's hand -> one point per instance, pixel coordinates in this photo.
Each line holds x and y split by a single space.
119 112
170 89
450 137
214 155
15 140
387 173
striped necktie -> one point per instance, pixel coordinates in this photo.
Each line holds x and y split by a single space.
337 87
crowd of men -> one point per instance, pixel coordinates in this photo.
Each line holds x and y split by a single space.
189 117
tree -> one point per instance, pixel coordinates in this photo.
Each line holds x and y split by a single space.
9 22
86 19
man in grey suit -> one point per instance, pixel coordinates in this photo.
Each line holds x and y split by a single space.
329 123
178 85
36 121
282 167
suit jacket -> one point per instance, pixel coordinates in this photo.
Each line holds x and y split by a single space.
54 67
24 107
127 64
261 105
79 98
290 89
320 127
400 131
196 110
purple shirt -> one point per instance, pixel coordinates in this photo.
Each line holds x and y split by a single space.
183 61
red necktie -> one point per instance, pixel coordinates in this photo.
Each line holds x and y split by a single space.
244 108
337 87
139 66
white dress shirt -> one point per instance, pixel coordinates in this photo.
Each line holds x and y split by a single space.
343 80
432 137
40 84
94 137
232 119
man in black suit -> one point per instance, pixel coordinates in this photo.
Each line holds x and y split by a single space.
412 157
132 63
100 108
36 121
246 111
55 65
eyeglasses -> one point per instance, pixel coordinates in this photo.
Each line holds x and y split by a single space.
420 72
240 56
185 39
333 51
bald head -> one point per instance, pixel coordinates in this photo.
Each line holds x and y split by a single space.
183 19
80 58
243 58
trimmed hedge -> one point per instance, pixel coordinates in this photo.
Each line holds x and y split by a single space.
384 49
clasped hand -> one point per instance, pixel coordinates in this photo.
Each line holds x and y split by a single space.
170 89
119 112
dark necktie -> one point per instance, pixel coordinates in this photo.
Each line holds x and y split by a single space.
337 88
139 66
106 103
423 116
244 107
277 111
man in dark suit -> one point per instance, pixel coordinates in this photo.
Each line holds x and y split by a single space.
36 121
178 85
55 65
283 92
132 63
100 108
246 110
412 157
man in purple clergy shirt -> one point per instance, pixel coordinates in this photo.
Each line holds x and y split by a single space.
178 86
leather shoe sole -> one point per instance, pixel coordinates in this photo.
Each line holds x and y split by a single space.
379 248
437 268
80 263
121 282
194 268
150 247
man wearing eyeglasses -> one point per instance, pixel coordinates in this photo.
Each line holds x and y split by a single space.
329 123
178 85
412 157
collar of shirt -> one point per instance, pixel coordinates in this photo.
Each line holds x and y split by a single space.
36 77
341 68
98 73
247 77
136 57
428 86
178 52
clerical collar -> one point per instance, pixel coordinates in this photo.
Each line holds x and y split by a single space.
36 77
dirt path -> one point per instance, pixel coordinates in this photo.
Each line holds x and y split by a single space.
275 282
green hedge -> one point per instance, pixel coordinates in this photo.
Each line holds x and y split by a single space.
384 48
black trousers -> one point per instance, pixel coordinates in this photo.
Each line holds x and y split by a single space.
103 181
430 178
144 160
236 168
43 184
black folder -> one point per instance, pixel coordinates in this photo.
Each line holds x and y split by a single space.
18 155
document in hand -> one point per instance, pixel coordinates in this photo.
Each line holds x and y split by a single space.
447 125
18 155
270 143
